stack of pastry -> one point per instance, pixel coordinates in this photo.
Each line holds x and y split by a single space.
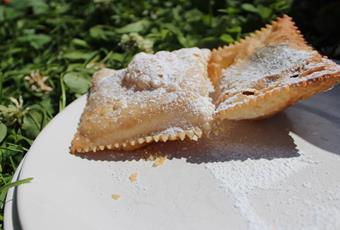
171 96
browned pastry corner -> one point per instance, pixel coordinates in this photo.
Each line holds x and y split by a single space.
268 71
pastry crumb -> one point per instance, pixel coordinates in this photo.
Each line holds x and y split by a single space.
133 177
159 161
115 196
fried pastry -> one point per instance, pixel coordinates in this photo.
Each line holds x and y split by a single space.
268 71
158 97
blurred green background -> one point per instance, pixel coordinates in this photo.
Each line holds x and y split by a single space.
49 49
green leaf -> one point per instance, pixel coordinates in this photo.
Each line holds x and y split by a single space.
249 7
180 37
135 27
117 57
32 124
4 188
264 12
281 5
39 6
3 131
2 13
12 13
37 41
77 55
227 38
16 183
80 43
101 32
77 82
234 29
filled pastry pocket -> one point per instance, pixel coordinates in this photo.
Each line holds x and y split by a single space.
158 97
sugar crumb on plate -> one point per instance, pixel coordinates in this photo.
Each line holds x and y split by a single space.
115 196
159 161
133 177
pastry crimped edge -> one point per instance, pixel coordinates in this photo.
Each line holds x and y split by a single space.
278 98
191 134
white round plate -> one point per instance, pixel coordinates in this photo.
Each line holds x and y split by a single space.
279 173
11 220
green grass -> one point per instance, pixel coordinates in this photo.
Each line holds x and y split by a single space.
50 49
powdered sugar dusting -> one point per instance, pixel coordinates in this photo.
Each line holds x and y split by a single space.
243 178
266 61
169 131
268 67
155 84
181 69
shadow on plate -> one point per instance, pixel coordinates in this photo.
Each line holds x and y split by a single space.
263 139
317 120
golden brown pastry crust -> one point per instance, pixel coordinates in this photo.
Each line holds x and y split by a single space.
150 101
313 73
